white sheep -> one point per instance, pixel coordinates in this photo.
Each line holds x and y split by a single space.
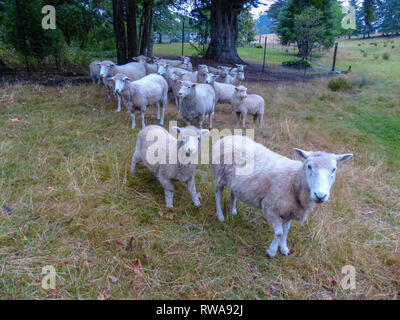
137 95
133 70
197 100
172 63
243 104
223 92
94 68
186 65
284 189
202 73
235 78
171 159
150 67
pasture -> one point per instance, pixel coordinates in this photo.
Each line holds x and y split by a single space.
64 175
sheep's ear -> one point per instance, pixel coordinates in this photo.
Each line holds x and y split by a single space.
178 130
98 63
193 85
180 81
236 88
127 79
343 157
302 153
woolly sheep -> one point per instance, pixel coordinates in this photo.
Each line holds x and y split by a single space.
137 95
197 100
202 73
284 189
186 65
235 78
223 92
176 159
172 63
133 70
94 68
244 104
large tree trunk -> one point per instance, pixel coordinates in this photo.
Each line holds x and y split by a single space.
146 45
119 31
224 31
131 28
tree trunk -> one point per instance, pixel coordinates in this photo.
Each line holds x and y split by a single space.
131 28
224 31
119 31
147 43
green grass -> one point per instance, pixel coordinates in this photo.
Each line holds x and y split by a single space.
64 171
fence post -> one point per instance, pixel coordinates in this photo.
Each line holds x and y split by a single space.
334 57
183 34
265 50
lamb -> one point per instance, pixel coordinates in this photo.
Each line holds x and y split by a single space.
223 92
166 167
172 63
137 95
197 100
244 104
284 189
94 69
133 70
175 77
150 67
186 65
223 72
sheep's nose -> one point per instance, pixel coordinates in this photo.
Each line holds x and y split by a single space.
188 152
180 94
321 197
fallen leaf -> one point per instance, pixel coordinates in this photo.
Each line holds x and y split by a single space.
15 120
231 284
170 216
160 213
113 279
107 139
129 246
267 293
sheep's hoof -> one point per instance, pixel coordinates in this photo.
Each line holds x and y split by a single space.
220 217
234 212
284 251
197 203
270 254
170 206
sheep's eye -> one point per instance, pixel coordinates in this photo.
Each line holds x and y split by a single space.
333 170
309 167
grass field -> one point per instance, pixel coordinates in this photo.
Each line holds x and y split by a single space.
64 173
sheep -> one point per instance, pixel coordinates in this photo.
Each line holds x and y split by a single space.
197 100
164 69
223 92
202 73
137 95
94 68
283 188
175 77
239 68
133 70
186 65
150 67
223 72
213 70
169 168
173 63
244 104
235 78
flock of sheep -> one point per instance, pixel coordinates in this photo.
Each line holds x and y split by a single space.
284 189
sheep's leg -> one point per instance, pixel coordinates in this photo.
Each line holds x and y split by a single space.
211 118
260 119
282 244
119 104
238 119
201 123
168 191
142 117
158 111
255 118
278 233
192 189
94 80
162 113
135 159
133 119
233 203
244 116
218 194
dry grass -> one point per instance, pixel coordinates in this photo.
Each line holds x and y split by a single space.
64 171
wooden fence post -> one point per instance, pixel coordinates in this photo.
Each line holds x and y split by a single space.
334 57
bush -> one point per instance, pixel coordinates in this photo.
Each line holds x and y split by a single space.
258 46
393 47
385 56
365 54
340 84
296 62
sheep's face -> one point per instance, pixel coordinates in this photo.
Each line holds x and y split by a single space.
224 71
121 83
320 171
241 75
187 88
141 59
210 78
189 138
185 60
241 92
203 69
240 67
174 76
162 68
106 68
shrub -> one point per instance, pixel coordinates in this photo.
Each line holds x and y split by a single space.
385 56
296 62
365 54
258 46
393 47
340 84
